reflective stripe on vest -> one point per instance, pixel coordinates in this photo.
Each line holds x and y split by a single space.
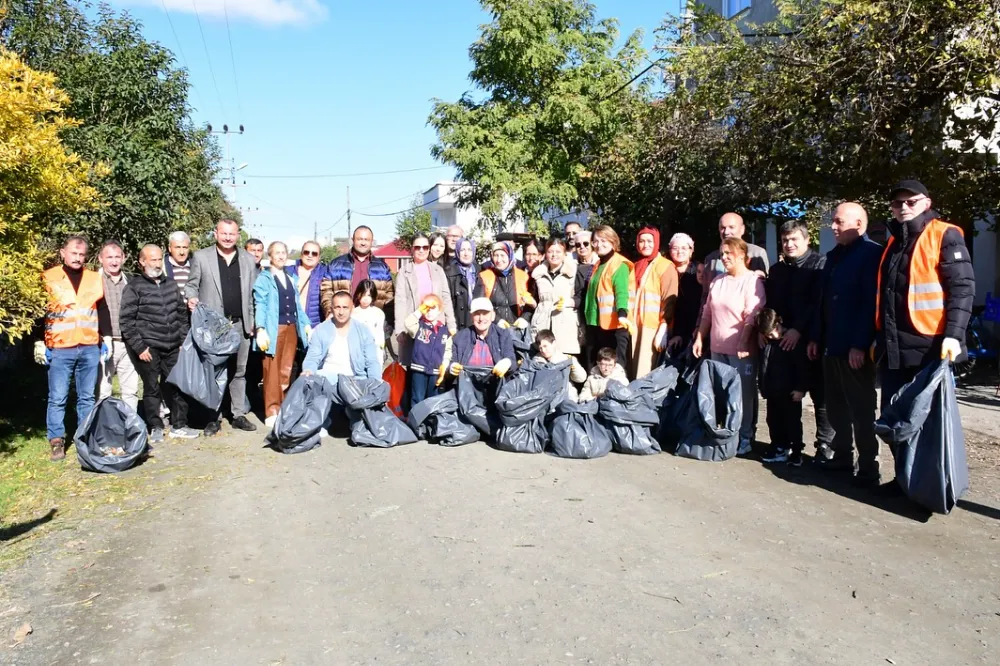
489 278
71 319
925 296
648 311
607 313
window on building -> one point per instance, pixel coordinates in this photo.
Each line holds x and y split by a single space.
734 7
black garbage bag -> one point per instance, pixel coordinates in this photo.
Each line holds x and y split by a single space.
923 427
577 433
676 402
436 420
302 415
477 394
709 415
372 422
111 439
522 343
523 402
630 417
200 371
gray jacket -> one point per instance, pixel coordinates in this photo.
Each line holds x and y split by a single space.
205 284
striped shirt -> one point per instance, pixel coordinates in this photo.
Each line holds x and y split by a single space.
181 273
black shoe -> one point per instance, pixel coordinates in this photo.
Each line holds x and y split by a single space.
213 428
890 490
795 459
823 452
243 423
775 454
866 482
835 464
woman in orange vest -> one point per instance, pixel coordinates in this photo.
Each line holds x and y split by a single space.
655 298
507 288
609 298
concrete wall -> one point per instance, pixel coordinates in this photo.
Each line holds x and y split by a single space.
759 12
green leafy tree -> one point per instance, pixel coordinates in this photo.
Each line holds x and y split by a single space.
131 101
329 252
39 181
416 219
551 94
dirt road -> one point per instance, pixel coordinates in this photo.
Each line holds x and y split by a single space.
423 554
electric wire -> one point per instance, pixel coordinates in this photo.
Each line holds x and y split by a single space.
232 59
345 175
180 51
211 69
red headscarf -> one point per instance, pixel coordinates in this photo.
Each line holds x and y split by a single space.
643 263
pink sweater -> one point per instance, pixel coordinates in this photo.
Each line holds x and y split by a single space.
732 306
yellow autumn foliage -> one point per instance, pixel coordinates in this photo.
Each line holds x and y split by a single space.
39 180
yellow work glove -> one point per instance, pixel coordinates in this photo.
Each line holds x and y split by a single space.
456 369
502 367
503 324
442 373
559 304
950 349
263 341
309 334
627 325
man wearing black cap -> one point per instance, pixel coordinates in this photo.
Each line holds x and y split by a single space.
925 293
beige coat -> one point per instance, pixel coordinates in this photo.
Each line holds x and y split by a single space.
564 323
406 302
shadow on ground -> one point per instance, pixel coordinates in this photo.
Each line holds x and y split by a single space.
18 529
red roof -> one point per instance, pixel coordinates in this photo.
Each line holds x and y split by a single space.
392 250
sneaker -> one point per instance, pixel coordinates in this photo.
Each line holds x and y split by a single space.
243 423
183 433
213 428
156 436
823 451
323 432
58 447
746 447
775 454
835 464
269 421
795 459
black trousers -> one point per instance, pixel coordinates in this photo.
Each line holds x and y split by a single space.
155 388
817 391
850 402
784 423
619 340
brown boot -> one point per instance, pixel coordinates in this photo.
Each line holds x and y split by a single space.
58 445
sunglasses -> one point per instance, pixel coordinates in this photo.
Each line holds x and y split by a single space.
310 253
909 203
421 248
584 244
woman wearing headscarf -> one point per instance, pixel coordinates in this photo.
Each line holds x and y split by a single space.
688 308
655 299
559 292
463 279
609 295
507 288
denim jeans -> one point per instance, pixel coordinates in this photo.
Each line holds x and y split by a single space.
82 361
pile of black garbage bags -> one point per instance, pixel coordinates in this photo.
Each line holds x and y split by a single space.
693 411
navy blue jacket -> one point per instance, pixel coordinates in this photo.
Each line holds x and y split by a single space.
499 341
845 319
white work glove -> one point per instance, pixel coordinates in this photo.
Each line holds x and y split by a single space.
502 367
503 324
950 349
106 346
41 353
263 341
660 339
309 334
520 324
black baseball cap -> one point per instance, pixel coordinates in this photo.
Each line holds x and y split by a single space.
914 186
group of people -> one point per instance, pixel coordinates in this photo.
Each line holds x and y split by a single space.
810 324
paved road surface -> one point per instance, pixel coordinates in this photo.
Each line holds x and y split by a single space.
467 556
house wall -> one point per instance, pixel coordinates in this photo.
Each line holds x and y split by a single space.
760 11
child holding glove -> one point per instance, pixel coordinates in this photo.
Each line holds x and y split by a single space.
431 348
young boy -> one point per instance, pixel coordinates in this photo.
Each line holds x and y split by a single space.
784 380
431 348
607 368
549 354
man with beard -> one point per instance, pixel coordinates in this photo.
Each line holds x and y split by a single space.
154 323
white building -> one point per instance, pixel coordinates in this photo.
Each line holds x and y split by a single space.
442 202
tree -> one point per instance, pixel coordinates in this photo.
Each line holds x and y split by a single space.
838 99
416 219
132 103
329 252
555 95
39 181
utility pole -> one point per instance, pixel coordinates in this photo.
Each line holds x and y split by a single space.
348 211
316 231
230 162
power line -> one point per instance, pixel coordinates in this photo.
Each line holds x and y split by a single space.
232 59
450 191
281 208
330 228
379 205
180 50
346 175
211 70
632 80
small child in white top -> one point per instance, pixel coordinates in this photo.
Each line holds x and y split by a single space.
549 354
370 316
607 368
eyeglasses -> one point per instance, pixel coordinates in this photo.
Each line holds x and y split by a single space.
583 244
421 248
310 253
909 203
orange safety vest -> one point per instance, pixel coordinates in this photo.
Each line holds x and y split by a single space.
648 311
925 298
607 313
71 317
489 278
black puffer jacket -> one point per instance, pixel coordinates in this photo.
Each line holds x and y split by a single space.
899 343
461 295
153 314
794 288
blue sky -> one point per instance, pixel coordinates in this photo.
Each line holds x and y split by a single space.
331 87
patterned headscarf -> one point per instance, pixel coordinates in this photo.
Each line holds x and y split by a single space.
469 271
507 247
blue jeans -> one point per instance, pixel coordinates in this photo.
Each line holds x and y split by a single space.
83 361
422 387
